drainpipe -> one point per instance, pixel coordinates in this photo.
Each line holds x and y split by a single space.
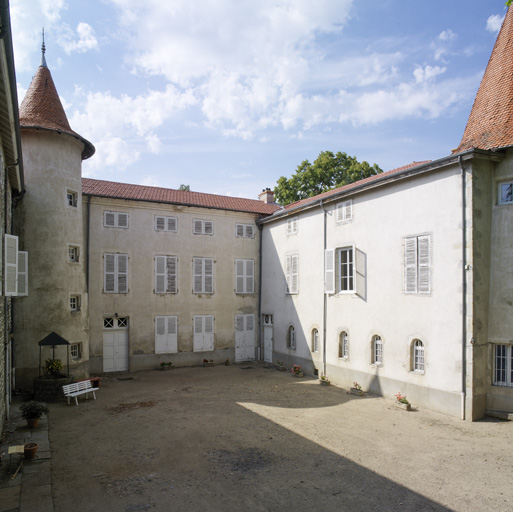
464 288
325 298
88 227
260 351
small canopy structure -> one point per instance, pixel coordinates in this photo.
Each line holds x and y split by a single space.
53 340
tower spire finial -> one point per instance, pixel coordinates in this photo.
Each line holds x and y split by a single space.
43 51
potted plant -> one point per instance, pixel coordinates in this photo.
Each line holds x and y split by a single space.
402 402
280 366
357 389
297 371
53 368
208 362
30 450
166 365
32 411
227 362
324 380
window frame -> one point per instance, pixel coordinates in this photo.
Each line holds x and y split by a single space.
344 211
75 249
116 272
170 278
202 281
116 224
71 198
202 224
417 264
75 303
418 358
506 369
166 342
293 225
166 219
292 274
349 277
377 350
78 348
241 230
291 338
501 184
315 340
343 345
204 339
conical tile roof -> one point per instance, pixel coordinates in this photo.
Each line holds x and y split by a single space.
490 124
42 108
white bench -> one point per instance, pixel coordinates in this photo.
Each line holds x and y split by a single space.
79 388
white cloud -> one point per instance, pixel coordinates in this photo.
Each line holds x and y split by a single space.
447 35
494 23
86 39
423 74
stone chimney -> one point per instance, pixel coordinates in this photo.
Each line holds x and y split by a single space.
267 196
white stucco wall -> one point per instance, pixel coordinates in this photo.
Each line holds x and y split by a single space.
382 217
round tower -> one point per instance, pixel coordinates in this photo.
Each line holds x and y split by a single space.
49 223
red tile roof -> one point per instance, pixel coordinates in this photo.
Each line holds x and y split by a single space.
345 188
490 124
42 108
100 188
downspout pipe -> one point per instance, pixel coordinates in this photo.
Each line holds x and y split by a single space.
260 333
325 295
463 288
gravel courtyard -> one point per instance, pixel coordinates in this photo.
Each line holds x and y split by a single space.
247 437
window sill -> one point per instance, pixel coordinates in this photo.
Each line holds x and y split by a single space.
417 372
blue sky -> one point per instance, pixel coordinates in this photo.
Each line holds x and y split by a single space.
228 95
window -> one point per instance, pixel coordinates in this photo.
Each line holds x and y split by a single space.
202 227
292 273
377 351
73 254
203 272
115 273
244 231
292 226
315 340
165 274
344 211
244 276
506 192
115 322
166 334
71 198
417 264
115 220
203 333
74 303
503 365
345 271
417 356
291 338
108 323
343 345
11 265
169 224
76 350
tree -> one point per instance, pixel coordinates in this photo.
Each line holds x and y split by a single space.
509 2
186 188
328 171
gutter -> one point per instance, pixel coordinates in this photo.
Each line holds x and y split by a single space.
464 268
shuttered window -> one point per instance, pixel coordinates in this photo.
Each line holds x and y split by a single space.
329 271
244 231
346 269
168 224
115 273
202 227
115 220
165 274
244 276
166 334
11 265
344 211
417 264
292 273
203 333
292 225
506 193
203 275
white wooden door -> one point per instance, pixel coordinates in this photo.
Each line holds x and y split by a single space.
115 344
244 337
268 338
203 333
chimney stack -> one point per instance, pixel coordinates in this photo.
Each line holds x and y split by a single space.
267 196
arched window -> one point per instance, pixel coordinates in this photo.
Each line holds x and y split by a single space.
343 345
377 350
315 340
417 356
291 338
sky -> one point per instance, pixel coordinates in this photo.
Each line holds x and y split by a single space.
226 96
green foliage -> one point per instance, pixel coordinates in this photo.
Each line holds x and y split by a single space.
32 410
328 171
187 188
53 366
509 2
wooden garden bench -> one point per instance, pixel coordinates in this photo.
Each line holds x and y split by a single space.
79 388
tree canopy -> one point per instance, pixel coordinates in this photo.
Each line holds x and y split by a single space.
328 171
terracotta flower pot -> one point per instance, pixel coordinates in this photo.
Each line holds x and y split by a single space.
30 451
32 422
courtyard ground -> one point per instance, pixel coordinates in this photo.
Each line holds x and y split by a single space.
247 437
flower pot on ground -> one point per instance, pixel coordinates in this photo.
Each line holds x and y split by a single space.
357 389
402 402
324 381
166 365
208 362
297 371
280 366
30 450
32 411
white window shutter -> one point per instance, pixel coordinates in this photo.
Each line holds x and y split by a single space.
249 232
340 212
209 332
360 273
11 265
239 276
239 323
424 268
209 275
239 230
197 275
295 273
172 334
22 273
209 227
250 276
109 272
196 226
171 286
160 335
159 223
250 323
198 333
329 271
109 219
288 272
348 210
410 265
122 260
172 224
123 220
160 274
